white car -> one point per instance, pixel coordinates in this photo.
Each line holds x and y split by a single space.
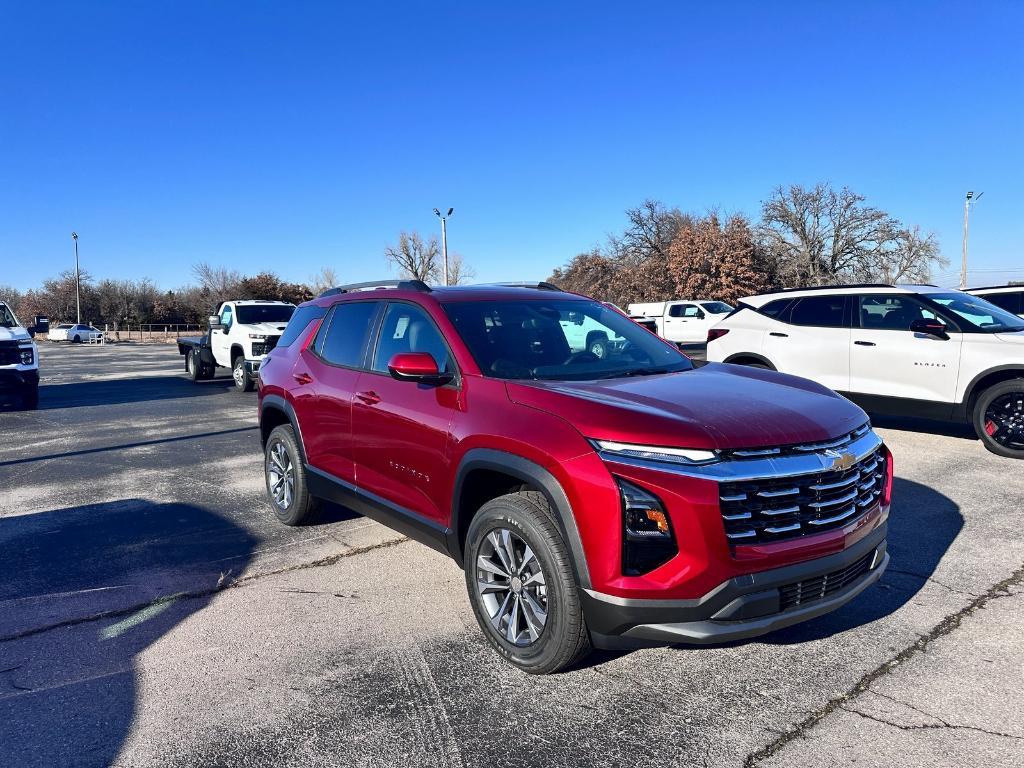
75 333
908 351
1008 297
683 322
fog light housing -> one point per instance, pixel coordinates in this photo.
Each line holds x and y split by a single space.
647 536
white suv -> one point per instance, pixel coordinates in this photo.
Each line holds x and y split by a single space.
908 351
1009 297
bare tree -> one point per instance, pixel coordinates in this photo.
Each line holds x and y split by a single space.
322 280
218 282
459 272
415 258
819 236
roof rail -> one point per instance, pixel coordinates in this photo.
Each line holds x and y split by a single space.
832 287
378 285
540 286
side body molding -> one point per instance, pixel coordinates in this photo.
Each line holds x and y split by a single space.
532 474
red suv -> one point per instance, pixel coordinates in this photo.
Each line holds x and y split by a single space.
607 498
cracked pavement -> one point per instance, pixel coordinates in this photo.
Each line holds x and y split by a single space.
153 613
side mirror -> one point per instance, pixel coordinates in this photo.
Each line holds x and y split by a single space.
700 314
214 321
417 366
31 331
932 327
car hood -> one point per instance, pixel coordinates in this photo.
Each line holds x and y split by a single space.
1017 337
14 334
715 406
269 329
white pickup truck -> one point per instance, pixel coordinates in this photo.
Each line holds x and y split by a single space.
19 359
240 336
683 322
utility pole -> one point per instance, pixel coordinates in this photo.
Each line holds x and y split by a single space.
444 239
971 200
78 282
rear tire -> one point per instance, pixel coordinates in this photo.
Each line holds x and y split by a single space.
197 371
77 339
244 382
285 476
999 419
539 582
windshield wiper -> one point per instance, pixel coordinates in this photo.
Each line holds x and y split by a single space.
636 372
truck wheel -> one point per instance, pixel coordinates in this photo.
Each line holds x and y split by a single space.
597 345
286 478
521 585
243 381
30 398
999 418
196 370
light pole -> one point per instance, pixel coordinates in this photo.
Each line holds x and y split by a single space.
78 282
971 200
444 239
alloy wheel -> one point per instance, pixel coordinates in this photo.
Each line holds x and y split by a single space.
1004 420
280 475
511 586
239 374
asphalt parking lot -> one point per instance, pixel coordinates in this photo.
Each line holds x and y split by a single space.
153 613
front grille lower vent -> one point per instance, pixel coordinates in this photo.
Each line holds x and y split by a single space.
820 587
777 509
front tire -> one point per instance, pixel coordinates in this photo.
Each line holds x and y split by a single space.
999 419
597 345
285 476
521 585
244 382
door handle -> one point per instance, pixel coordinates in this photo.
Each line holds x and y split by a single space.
303 378
369 397
864 343
780 335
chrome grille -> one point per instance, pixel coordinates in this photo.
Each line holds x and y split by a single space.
776 509
800 448
819 587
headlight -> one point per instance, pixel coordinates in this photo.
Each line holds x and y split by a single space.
27 355
258 336
647 537
657 453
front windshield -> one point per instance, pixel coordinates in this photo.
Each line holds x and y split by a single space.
250 314
559 339
978 312
717 307
7 318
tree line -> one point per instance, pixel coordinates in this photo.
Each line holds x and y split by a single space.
804 237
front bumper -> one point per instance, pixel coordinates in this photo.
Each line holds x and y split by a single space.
17 379
742 607
253 366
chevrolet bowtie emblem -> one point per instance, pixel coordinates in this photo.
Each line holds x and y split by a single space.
841 461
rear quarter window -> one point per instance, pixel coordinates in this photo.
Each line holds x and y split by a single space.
300 320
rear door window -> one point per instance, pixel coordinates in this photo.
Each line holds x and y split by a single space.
819 311
342 337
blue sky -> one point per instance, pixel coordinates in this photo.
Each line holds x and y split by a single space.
296 135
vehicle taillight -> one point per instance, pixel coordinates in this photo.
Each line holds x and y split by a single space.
716 333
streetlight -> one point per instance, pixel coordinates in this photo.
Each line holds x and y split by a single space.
78 282
444 238
971 200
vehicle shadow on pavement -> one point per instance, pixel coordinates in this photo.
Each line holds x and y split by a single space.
68 688
922 525
121 391
909 424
